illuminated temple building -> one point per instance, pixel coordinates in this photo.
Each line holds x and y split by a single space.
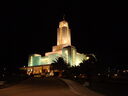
63 49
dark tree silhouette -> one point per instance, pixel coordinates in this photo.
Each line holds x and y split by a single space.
60 64
74 71
89 67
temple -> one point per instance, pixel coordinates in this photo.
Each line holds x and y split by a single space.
63 49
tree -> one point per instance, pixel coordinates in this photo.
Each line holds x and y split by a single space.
89 67
74 71
60 65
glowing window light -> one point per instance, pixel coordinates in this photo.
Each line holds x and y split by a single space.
37 55
87 58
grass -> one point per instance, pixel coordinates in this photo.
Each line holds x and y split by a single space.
109 87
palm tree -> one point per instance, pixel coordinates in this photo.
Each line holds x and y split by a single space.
89 67
59 66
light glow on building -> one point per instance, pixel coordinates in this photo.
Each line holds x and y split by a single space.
63 49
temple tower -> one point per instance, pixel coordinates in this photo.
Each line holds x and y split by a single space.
63 37
63 34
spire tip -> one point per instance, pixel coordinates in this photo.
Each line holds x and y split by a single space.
64 17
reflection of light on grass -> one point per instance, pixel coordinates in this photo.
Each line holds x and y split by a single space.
124 71
115 75
98 74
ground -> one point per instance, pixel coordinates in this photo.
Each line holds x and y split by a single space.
38 87
111 88
47 87
107 86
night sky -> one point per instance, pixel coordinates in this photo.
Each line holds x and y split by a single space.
31 27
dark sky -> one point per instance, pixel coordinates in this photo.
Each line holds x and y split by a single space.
96 27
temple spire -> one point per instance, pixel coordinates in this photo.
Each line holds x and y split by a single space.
64 17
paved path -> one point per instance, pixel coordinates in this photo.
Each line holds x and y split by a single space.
79 89
38 87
